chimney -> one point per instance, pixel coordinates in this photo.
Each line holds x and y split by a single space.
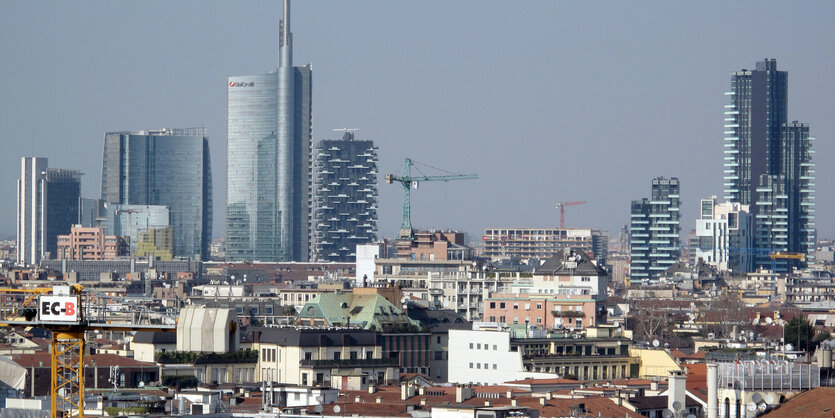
653 385
676 385
423 401
357 399
379 399
371 389
462 393
542 401
486 403
509 394
514 402
712 390
407 390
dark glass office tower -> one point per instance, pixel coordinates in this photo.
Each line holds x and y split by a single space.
268 151
655 224
168 167
345 202
768 165
62 189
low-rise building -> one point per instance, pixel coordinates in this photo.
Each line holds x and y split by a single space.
91 244
310 356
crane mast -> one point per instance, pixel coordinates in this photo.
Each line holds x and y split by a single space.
408 182
63 311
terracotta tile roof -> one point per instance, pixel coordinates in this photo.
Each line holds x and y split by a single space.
816 403
532 381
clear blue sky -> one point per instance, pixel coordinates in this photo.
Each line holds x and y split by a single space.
545 100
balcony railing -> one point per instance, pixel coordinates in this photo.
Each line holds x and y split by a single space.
376 362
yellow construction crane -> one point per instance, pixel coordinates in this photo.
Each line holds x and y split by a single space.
65 312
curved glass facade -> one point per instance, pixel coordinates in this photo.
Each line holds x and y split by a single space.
169 167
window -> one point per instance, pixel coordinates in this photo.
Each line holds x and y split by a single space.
471 365
486 366
478 365
471 346
268 310
501 305
337 356
308 355
438 340
495 348
354 355
439 355
539 306
369 355
304 379
494 366
492 305
478 346
527 306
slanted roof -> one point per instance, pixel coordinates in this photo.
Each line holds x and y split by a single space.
370 310
561 264
816 403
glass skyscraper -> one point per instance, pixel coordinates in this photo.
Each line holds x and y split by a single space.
168 167
345 202
655 223
62 189
47 206
269 167
768 165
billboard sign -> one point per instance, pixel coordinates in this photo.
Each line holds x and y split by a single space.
59 309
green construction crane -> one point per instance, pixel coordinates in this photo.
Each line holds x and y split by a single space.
408 181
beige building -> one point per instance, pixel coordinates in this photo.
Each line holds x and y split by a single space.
155 242
313 356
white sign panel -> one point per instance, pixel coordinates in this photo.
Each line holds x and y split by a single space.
58 308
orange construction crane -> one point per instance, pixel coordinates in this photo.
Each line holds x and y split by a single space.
561 206
63 311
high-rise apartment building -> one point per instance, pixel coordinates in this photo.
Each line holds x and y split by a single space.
168 167
543 243
655 224
768 164
269 166
30 202
47 206
345 202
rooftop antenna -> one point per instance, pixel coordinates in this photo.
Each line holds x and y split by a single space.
33 141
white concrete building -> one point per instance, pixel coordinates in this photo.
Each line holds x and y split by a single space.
570 272
485 358
724 232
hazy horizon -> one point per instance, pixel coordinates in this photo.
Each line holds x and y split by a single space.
545 101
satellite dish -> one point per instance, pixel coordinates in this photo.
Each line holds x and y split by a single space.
677 405
336 409
142 384
655 343
752 407
769 320
318 409
789 347
617 324
756 398
769 398
762 407
667 413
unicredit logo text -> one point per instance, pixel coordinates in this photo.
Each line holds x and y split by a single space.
242 84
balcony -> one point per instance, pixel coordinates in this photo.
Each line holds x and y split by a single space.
376 362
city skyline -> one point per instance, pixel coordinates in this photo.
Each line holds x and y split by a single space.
680 123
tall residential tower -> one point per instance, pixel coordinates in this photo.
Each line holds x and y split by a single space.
654 243
768 165
268 151
345 203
